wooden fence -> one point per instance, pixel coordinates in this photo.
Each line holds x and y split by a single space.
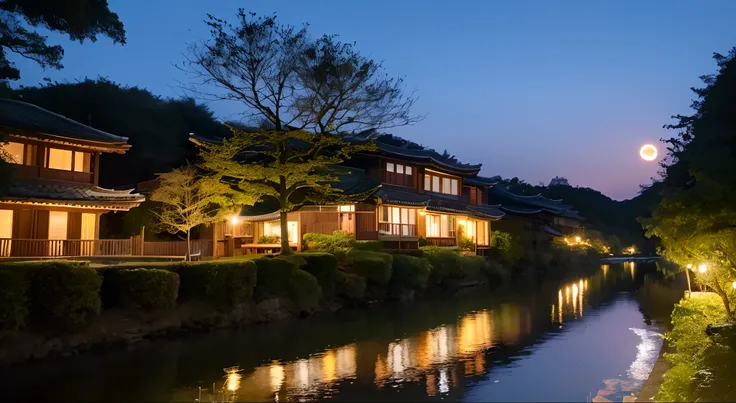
100 247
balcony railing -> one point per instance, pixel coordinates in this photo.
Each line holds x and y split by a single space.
100 247
64 247
386 228
442 241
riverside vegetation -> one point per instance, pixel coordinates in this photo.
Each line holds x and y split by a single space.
65 307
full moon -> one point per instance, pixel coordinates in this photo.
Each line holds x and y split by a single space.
648 152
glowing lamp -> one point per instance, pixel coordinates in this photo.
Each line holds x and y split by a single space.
422 213
234 219
702 268
577 239
734 284
689 266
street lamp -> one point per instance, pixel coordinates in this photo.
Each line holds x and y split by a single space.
687 275
702 268
733 284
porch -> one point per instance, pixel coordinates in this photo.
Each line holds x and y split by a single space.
73 248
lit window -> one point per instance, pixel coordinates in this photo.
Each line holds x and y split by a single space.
14 151
59 159
6 232
397 221
58 224
446 188
436 184
273 228
454 187
389 166
347 209
427 182
399 169
81 161
88 226
407 170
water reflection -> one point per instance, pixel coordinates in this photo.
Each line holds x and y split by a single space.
574 298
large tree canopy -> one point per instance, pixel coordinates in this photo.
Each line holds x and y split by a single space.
696 219
305 93
80 19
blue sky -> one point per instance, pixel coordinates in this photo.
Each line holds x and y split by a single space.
532 89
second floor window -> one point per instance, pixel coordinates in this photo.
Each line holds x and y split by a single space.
441 184
19 153
398 174
67 160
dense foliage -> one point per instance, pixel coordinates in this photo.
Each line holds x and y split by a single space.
702 365
695 222
147 289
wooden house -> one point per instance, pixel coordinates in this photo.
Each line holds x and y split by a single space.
52 204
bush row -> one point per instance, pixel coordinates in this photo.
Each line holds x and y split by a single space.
63 295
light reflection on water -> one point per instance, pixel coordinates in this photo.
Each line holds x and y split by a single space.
440 357
560 341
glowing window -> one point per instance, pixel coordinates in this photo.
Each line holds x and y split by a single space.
57 224
88 226
347 209
59 159
14 151
389 166
81 162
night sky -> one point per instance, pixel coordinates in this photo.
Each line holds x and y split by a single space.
532 89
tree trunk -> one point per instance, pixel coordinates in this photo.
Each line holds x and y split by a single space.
189 247
724 297
285 248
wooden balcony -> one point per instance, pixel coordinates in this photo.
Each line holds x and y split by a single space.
36 172
399 230
100 247
442 241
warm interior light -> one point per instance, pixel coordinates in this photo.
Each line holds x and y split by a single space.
702 268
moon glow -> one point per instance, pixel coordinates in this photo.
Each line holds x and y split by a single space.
648 152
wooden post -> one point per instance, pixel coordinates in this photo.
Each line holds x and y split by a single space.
229 245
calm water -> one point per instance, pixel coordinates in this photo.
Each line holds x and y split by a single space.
568 340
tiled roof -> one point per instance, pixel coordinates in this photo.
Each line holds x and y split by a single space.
481 180
29 117
552 231
429 156
392 195
71 194
487 211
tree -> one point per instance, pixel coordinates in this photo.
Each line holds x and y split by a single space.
695 221
188 200
293 167
310 91
80 19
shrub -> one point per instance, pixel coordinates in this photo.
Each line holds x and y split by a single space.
423 241
466 244
351 286
496 271
410 272
269 239
304 290
339 242
273 277
373 266
374 246
473 265
148 289
323 266
220 282
62 295
445 263
296 260
13 303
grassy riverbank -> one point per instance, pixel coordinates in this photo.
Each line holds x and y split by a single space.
62 307
702 365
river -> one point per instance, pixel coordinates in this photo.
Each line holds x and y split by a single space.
596 335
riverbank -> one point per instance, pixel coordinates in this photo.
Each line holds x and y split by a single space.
66 308
651 387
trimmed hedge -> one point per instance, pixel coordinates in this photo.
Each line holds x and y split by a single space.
372 246
222 283
13 303
350 286
473 265
62 295
147 289
445 263
295 259
496 271
373 266
304 290
273 277
323 266
410 272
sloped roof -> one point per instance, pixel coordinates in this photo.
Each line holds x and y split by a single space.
395 195
28 117
428 156
481 180
71 194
